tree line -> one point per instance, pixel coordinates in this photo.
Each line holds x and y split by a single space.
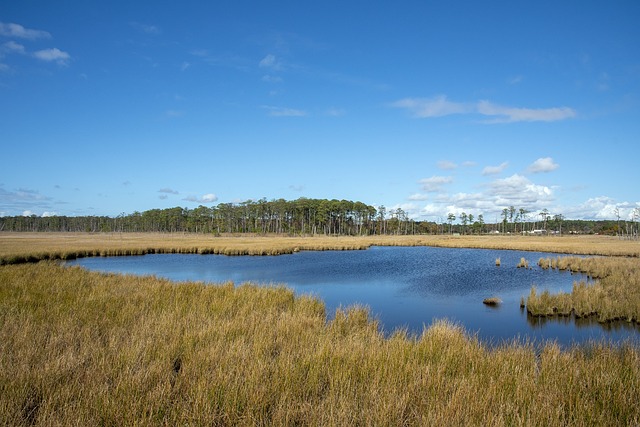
315 216
301 216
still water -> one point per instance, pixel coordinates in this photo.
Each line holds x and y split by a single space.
404 287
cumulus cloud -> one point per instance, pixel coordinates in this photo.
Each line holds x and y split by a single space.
519 190
441 106
494 170
435 183
602 208
17 30
54 54
544 164
206 198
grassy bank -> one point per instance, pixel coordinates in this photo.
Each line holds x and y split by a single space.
29 247
83 348
614 296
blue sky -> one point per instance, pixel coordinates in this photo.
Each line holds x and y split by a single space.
434 107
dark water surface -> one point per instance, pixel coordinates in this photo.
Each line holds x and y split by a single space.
403 286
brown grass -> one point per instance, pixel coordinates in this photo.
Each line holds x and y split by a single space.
83 348
25 247
615 295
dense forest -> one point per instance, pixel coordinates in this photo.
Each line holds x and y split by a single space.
308 217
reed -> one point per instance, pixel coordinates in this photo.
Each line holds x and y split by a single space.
523 263
84 348
615 295
498 262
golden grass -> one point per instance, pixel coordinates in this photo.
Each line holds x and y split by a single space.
25 247
83 348
615 295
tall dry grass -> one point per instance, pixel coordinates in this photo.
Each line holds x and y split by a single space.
615 295
31 247
83 348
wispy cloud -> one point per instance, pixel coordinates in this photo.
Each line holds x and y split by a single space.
494 170
270 61
53 55
206 198
167 190
146 28
435 183
13 47
446 165
440 106
432 107
296 188
17 30
544 164
284 112
511 114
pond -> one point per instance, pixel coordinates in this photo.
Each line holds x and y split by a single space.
404 287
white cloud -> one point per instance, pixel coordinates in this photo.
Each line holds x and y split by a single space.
544 164
17 30
206 198
284 112
440 106
418 197
446 165
209 198
54 54
48 214
13 47
601 208
517 190
185 65
27 213
493 170
270 61
511 114
435 183
168 191
432 107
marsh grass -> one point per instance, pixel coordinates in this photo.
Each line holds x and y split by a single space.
84 348
523 263
18 248
492 301
614 295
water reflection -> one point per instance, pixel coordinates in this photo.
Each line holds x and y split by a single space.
405 287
